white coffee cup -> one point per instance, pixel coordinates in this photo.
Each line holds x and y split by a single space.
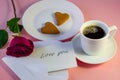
95 46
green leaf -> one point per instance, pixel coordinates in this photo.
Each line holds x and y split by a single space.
20 27
3 38
14 26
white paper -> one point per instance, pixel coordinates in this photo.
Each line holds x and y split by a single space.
45 43
57 56
17 65
56 78
34 68
28 68
63 74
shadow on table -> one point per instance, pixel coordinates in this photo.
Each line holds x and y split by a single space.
82 64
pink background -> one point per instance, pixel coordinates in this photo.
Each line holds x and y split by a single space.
105 10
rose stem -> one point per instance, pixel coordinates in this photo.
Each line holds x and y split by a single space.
15 15
14 8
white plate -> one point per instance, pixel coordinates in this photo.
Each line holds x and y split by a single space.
106 55
39 13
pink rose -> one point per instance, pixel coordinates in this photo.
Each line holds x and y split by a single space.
19 47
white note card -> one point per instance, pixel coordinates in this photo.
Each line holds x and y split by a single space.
57 56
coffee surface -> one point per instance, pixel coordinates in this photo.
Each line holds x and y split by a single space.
94 32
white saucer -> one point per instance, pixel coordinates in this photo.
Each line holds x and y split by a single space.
42 11
108 54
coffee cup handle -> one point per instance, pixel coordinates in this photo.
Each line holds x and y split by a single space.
112 30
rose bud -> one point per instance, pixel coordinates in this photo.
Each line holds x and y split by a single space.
19 47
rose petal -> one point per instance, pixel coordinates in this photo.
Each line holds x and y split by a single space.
21 40
19 51
31 44
20 46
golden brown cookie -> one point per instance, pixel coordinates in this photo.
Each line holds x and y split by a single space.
49 28
61 18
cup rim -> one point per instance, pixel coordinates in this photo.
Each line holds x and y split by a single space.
97 21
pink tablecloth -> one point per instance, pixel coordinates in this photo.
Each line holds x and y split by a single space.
105 10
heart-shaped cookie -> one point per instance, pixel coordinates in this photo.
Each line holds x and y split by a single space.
49 28
61 18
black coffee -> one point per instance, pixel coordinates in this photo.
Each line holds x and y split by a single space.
94 32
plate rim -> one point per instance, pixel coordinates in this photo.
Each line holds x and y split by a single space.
81 20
